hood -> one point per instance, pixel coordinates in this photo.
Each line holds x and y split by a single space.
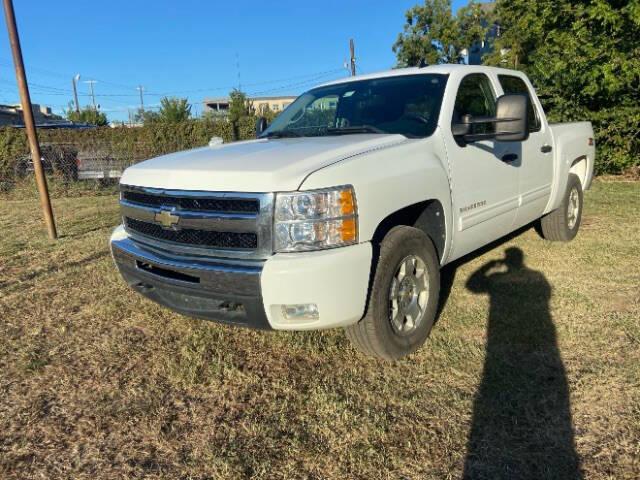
263 165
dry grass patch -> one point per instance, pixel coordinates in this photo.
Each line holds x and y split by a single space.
97 382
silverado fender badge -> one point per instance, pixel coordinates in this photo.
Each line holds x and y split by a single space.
166 218
473 206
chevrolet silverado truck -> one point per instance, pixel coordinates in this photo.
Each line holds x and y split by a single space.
342 211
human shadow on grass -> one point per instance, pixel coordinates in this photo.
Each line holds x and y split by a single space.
521 426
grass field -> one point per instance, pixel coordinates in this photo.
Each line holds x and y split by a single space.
532 370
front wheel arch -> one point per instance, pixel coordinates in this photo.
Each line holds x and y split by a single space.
427 216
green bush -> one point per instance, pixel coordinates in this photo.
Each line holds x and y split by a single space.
133 144
584 59
617 132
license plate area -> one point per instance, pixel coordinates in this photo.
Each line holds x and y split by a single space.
166 273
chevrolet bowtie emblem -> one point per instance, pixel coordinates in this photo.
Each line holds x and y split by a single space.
166 218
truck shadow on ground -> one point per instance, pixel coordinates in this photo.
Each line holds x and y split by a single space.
521 424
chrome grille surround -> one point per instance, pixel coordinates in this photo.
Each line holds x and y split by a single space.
162 204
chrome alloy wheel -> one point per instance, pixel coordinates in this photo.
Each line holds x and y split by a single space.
408 295
573 208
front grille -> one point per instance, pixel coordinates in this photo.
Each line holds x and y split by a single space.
222 205
205 224
200 238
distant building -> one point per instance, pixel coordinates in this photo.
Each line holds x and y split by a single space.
220 106
475 52
12 115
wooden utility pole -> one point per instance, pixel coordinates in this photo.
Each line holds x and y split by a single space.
29 124
352 49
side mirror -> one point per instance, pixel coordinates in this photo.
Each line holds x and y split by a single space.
463 128
261 126
512 121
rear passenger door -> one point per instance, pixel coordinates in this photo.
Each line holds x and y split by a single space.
536 169
484 185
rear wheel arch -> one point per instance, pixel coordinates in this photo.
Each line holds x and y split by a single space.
579 168
562 224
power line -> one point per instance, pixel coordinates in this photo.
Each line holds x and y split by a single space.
299 84
56 91
231 87
67 75
116 105
129 87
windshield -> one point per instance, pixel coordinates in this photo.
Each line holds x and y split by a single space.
408 105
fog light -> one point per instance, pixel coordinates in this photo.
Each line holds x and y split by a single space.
304 311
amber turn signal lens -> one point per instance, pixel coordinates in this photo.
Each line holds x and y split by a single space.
348 230
347 203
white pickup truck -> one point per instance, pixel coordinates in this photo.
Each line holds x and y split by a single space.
342 212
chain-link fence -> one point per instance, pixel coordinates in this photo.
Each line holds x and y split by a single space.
71 168
92 160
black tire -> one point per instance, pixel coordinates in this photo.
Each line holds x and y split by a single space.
563 223
374 334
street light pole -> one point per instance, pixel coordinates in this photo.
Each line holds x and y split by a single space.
352 51
74 81
140 88
29 124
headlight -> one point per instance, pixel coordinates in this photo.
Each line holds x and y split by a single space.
316 219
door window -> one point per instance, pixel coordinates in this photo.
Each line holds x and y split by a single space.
511 84
476 98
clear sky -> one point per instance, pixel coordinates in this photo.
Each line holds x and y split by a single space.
190 48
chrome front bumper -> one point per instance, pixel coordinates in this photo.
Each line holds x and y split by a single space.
226 293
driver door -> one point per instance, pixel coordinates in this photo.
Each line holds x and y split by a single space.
484 174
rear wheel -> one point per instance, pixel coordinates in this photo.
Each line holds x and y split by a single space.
404 297
563 223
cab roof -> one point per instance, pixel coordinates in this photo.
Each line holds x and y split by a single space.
445 68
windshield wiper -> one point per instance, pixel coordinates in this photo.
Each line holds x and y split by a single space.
355 129
282 134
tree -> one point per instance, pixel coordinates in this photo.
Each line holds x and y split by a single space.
173 110
584 59
432 34
268 113
86 115
239 107
146 117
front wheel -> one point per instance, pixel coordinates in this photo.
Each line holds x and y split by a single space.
404 297
563 223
